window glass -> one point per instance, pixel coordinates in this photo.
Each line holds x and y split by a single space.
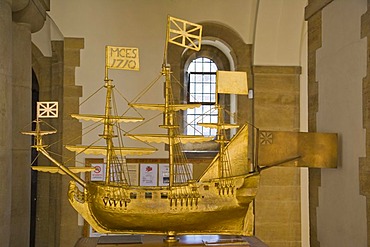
201 89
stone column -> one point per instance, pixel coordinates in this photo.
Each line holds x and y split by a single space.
70 232
21 172
27 16
278 205
5 119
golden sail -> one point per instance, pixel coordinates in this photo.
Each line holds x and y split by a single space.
220 201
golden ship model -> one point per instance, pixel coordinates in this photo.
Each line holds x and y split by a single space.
220 201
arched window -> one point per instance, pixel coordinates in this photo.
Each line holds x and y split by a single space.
201 77
225 48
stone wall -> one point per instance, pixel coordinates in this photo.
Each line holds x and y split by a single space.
18 19
336 62
313 16
57 220
365 161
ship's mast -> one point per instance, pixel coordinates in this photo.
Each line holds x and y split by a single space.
187 35
169 121
108 133
40 147
168 114
221 139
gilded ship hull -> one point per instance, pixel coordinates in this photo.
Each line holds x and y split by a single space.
208 205
158 210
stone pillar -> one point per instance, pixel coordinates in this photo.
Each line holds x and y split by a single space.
57 221
5 119
70 232
21 172
25 17
278 205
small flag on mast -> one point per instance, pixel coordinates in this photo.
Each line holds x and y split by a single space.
118 57
231 82
184 33
47 109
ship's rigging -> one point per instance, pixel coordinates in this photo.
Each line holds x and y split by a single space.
220 201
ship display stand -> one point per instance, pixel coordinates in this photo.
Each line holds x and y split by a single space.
214 209
157 241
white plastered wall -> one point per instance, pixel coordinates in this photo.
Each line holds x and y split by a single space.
341 66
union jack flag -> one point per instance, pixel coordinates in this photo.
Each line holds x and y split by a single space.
184 33
47 109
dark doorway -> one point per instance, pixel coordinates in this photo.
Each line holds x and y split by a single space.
35 98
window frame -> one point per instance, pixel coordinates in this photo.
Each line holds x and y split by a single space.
192 125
